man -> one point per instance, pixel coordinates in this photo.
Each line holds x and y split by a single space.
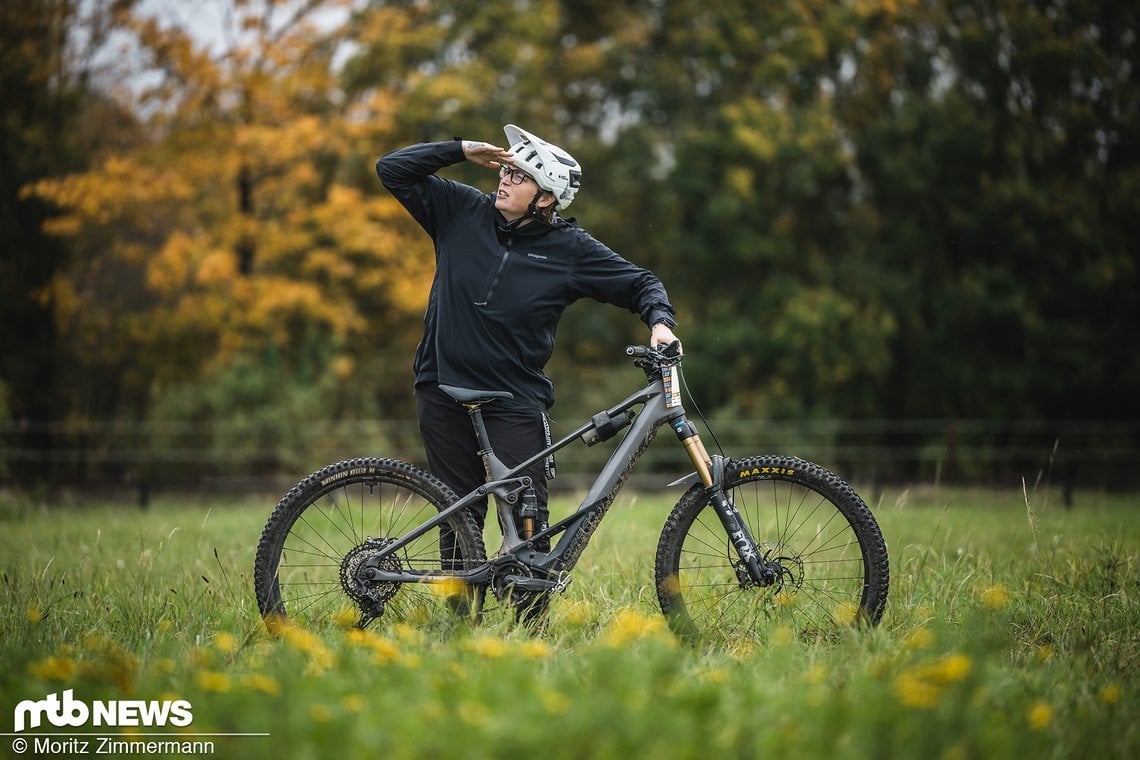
507 266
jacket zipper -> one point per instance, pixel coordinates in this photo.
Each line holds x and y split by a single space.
495 279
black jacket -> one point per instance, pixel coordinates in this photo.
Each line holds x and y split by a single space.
499 292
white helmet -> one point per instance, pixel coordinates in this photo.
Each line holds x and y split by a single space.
552 168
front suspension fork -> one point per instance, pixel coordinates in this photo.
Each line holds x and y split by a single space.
710 469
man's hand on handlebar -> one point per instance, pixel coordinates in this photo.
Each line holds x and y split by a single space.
660 338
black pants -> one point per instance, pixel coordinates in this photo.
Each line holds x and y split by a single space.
453 452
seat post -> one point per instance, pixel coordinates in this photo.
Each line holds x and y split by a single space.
475 412
474 400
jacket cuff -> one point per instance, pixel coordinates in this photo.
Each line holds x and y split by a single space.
661 316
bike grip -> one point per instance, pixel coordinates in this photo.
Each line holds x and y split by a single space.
636 351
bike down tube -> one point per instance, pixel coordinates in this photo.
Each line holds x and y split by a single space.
653 414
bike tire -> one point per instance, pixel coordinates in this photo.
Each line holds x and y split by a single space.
326 526
836 570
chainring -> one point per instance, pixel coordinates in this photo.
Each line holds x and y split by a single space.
528 605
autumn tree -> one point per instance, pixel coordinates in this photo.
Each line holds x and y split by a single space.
236 234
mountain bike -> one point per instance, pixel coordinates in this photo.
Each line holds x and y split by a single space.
751 540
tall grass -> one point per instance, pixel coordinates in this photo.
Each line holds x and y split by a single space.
1012 630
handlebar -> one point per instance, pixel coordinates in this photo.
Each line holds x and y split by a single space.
664 356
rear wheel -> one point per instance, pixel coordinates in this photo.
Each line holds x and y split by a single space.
323 538
811 528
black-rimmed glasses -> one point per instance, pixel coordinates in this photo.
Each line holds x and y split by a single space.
517 176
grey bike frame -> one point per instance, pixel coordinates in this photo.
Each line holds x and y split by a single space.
506 481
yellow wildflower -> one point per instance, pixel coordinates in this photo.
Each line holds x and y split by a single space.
487 646
111 663
261 682
951 668
1110 694
300 639
345 617
209 680
784 598
1040 715
54 668
474 713
922 686
845 614
34 613
449 586
354 703
534 649
320 658
555 702
783 636
225 642
915 691
577 612
919 638
383 650
320 713
631 626
277 624
996 597
956 752
715 675
407 633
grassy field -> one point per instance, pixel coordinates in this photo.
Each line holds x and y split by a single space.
1012 631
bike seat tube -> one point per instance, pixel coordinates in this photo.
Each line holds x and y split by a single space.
691 440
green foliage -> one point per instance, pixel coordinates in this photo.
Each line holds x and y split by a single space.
1009 633
41 133
874 210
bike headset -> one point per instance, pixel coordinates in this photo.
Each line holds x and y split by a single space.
552 168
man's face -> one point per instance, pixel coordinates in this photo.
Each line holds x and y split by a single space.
516 190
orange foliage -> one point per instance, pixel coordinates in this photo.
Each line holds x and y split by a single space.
231 227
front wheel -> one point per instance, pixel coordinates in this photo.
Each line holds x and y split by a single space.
320 543
811 528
